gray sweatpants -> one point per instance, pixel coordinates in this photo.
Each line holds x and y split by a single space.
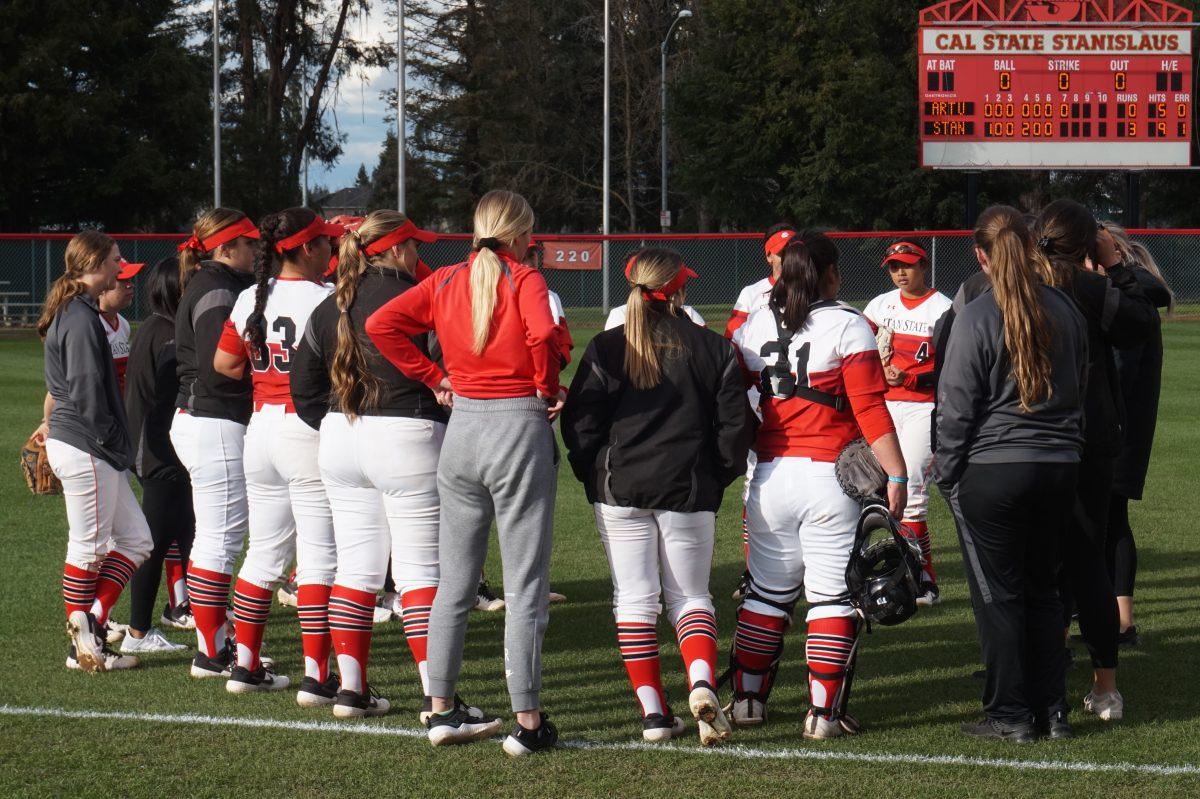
497 462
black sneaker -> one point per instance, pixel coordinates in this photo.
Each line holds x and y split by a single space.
930 595
743 587
1057 728
317 694
244 681
1129 637
522 742
662 727
180 617
427 709
204 667
353 705
993 730
486 599
459 726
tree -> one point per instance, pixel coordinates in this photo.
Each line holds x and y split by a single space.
101 116
362 179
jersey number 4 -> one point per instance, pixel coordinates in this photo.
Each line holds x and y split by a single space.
278 355
922 352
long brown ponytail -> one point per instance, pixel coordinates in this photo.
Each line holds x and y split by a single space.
209 224
1014 270
355 386
645 337
86 252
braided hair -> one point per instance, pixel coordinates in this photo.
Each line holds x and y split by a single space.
272 229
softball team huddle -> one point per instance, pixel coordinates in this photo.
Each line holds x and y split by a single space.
395 413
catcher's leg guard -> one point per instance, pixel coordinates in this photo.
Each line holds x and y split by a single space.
832 651
754 657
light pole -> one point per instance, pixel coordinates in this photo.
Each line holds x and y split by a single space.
216 70
664 215
604 298
401 133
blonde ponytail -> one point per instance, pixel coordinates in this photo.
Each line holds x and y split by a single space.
645 337
85 254
500 218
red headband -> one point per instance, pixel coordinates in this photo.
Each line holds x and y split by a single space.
905 252
667 290
777 242
242 227
318 227
398 236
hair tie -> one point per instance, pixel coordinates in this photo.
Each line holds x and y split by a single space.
489 243
1045 243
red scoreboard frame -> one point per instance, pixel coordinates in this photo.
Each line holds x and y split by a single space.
1029 95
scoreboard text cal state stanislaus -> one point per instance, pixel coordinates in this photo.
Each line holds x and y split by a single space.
1056 97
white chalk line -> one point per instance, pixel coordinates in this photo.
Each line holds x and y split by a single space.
736 752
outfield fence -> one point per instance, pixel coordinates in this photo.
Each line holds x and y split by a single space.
574 264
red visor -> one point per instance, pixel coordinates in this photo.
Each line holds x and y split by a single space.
398 236
776 243
664 292
905 252
129 271
318 227
242 227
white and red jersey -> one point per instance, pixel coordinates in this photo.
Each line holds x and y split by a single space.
751 298
835 352
616 317
565 343
911 323
118 343
290 301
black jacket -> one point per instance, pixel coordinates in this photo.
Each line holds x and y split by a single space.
979 416
1140 371
1118 314
974 286
201 316
88 413
151 386
672 447
311 386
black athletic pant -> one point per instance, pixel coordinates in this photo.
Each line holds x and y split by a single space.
167 505
1010 517
1086 583
1121 550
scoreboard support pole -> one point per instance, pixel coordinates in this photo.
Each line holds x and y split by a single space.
972 200
1133 201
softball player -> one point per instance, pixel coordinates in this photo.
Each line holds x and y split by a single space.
209 429
381 434
90 451
288 513
657 425
754 297
903 320
819 385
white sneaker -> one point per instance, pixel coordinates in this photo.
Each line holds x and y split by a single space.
658 728
931 596
391 601
353 705
152 641
87 639
487 601
382 614
179 618
554 596
111 661
748 712
243 681
1108 706
460 726
706 710
427 710
819 728
286 595
114 631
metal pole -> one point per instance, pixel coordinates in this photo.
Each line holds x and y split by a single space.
216 100
664 211
401 132
1133 200
607 176
933 264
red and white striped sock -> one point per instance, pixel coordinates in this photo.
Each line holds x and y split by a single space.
828 651
745 539
756 642
79 588
115 572
696 631
919 532
208 593
251 607
638 642
351 619
313 610
175 576
415 604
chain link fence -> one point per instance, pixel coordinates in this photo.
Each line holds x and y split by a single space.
725 263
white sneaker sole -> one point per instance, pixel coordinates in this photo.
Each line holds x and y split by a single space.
286 599
166 621
305 699
664 734
87 651
381 708
467 733
490 607
205 674
239 687
706 710
514 748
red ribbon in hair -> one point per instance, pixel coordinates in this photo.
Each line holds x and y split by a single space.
242 227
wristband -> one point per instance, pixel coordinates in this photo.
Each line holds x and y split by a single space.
894 479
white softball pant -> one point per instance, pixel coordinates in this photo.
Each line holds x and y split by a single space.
654 552
912 420
380 473
801 527
289 514
102 512
211 451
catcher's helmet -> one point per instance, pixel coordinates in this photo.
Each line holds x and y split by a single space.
883 577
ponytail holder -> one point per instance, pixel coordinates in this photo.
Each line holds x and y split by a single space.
1045 244
490 243
668 289
192 243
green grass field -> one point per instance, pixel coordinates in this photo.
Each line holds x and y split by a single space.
913 690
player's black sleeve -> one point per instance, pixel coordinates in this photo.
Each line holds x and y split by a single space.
309 378
735 423
586 417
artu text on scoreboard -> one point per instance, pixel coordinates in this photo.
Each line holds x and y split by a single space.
1082 96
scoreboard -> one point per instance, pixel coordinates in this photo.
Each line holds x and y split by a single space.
1056 97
